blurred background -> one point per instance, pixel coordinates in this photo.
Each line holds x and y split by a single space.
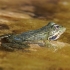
49 9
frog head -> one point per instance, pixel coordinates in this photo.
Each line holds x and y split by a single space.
55 31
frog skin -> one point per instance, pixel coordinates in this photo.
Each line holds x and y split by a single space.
51 31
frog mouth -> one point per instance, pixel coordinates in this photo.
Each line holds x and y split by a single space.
55 36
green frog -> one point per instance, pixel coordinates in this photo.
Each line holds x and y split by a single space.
51 31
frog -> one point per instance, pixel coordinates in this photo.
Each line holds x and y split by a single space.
49 32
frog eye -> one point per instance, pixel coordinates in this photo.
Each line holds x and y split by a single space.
56 26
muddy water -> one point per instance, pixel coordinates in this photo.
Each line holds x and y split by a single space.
41 59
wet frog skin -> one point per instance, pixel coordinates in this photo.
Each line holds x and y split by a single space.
51 31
